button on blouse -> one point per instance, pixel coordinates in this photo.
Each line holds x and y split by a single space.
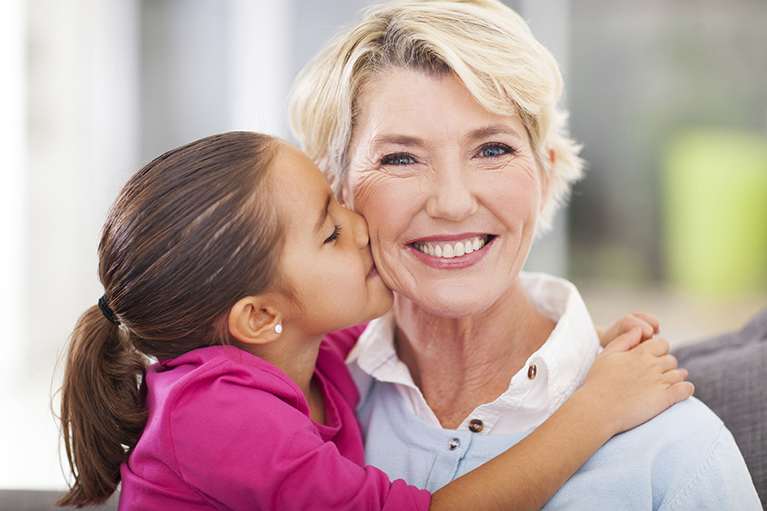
476 425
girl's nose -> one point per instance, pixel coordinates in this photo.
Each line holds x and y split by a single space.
359 229
452 197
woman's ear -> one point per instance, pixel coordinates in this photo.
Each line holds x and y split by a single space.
255 320
546 177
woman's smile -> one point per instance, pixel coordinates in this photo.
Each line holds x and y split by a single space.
449 253
449 198
451 249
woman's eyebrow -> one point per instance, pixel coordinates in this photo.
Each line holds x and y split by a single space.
323 214
476 134
493 129
398 139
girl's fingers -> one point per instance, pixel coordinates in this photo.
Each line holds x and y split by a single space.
627 323
667 363
650 319
626 341
674 376
680 391
657 346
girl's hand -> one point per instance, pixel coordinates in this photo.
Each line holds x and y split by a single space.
644 320
632 381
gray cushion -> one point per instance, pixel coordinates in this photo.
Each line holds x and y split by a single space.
42 500
730 375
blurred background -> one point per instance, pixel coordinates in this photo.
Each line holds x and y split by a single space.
669 99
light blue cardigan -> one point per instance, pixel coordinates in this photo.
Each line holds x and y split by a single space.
684 459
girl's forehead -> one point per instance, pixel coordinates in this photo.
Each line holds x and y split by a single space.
296 179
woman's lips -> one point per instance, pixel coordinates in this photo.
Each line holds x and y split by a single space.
372 273
450 249
456 253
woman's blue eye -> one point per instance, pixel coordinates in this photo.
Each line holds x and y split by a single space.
335 235
397 159
495 150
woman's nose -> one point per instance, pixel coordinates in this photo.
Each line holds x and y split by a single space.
452 196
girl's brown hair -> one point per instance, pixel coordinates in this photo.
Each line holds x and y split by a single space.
189 235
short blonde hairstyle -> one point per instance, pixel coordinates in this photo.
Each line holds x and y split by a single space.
485 44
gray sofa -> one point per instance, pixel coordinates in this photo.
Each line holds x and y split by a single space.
730 375
40 500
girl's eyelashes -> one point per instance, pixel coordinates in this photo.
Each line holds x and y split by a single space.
398 159
335 235
494 150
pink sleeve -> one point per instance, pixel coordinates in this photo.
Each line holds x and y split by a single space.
250 449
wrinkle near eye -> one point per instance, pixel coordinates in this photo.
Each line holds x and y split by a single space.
363 183
495 165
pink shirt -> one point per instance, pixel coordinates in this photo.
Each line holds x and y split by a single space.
227 430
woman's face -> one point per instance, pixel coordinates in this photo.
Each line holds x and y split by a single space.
450 191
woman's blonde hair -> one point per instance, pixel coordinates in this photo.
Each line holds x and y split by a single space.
485 44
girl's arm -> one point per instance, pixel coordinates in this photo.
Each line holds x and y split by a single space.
628 384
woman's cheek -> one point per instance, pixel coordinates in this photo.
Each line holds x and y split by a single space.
386 202
363 185
384 255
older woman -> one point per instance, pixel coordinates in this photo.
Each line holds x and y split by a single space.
438 122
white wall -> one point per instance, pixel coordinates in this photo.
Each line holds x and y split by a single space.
261 46
105 86
550 23
69 126
13 189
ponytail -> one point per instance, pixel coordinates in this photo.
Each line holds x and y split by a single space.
102 407
190 234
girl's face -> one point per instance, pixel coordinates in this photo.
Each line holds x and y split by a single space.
327 258
451 191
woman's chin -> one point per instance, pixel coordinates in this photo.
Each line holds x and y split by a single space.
452 306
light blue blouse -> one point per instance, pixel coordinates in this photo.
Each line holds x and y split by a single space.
684 459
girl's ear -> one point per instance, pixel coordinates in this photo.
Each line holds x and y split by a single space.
254 320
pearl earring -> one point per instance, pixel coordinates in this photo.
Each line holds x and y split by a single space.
278 328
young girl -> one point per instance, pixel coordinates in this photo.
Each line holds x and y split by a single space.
228 260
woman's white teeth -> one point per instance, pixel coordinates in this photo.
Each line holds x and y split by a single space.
450 250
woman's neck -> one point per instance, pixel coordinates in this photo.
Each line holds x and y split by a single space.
460 364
